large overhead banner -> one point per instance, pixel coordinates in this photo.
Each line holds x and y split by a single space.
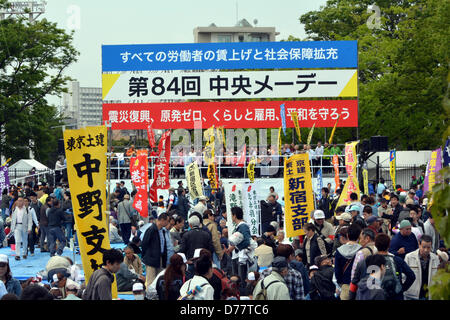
236 114
241 55
150 86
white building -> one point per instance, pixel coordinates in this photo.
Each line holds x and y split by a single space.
82 106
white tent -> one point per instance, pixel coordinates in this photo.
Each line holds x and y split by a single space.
25 165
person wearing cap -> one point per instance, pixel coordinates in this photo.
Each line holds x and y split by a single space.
313 245
424 264
322 286
296 281
21 227
354 202
269 237
443 259
413 197
125 211
356 217
274 283
11 284
251 281
374 223
138 291
344 220
201 207
324 229
404 242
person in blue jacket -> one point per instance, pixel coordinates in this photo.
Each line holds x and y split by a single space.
404 242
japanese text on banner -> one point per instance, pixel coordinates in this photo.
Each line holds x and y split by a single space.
139 177
298 194
194 181
251 209
86 169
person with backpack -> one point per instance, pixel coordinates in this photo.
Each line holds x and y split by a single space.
168 286
392 283
322 285
370 286
273 287
199 288
367 241
344 258
294 279
172 203
21 227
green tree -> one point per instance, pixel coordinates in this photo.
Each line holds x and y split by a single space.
33 57
403 65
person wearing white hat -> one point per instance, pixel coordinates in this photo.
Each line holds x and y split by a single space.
324 229
443 259
201 207
138 291
12 285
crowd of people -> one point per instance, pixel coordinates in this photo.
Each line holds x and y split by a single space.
384 246
232 162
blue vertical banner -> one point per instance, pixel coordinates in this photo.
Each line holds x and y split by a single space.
446 153
283 118
319 185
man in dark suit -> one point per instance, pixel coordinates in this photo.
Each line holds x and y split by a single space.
154 251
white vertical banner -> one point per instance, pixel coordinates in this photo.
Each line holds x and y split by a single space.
252 209
233 198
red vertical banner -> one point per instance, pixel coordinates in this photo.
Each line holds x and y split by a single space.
336 170
151 136
242 157
161 175
139 177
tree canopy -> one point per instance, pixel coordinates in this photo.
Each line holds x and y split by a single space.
33 57
403 66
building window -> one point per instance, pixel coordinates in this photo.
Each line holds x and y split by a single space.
224 38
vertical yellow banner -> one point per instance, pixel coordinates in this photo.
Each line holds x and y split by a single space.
294 116
298 194
194 182
334 129
365 174
86 150
310 134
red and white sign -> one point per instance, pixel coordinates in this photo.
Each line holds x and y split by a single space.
161 180
234 114
139 177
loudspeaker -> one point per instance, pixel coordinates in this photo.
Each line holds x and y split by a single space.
379 143
365 146
61 146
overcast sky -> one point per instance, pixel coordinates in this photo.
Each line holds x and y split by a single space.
169 21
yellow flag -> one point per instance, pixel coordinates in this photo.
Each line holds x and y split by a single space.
350 157
365 174
212 176
298 194
294 116
194 182
251 170
209 133
351 185
310 134
334 129
86 150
